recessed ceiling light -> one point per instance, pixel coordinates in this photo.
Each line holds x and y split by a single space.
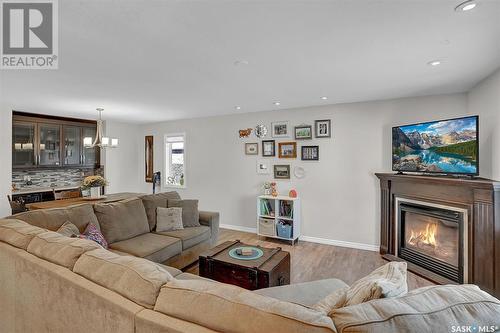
277 103
237 107
465 6
324 98
434 63
241 62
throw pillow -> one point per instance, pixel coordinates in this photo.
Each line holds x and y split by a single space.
168 219
384 282
68 229
92 233
190 213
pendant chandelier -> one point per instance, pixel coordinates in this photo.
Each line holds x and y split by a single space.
100 140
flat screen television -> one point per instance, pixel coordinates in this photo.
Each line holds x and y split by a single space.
446 147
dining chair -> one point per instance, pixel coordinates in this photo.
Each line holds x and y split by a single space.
17 206
69 194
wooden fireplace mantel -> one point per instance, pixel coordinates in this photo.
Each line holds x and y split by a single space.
479 196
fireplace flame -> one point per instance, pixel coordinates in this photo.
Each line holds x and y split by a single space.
426 237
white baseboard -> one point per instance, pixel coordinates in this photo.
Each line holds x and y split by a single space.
238 228
359 246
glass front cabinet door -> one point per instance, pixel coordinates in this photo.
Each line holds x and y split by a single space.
23 144
90 155
49 145
72 140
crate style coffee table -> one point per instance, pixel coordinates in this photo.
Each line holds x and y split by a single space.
222 263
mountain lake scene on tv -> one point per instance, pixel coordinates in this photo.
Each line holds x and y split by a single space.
444 146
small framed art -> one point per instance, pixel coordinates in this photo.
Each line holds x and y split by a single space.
287 149
322 128
303 132
280 129
310 153
282 171
263 167
268 148
252 148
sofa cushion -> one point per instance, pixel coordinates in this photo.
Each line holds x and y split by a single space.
168 219
157 248
18 233
134 278
189 236
429 309
52 219
226 308
306 293
60 249
386 281
190 213
172 270
122 220
153 201
68 229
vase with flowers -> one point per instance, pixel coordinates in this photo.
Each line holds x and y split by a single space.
94 184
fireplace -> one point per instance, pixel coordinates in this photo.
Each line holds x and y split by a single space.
432 237
462 214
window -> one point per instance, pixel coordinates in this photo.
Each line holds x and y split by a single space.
175 170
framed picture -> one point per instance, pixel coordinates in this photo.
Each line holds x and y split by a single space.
148 150
323 128
303 132
310 153
287 149
282 171
280 129
251 148
268 148
263 167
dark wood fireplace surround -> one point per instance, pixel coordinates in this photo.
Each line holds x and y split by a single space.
480 197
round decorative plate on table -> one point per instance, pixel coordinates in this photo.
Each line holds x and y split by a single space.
256 253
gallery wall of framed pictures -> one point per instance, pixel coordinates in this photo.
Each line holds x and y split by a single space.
282 143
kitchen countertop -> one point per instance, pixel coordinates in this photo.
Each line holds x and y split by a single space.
43 189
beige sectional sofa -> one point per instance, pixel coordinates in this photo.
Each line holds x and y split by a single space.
53 283
129 228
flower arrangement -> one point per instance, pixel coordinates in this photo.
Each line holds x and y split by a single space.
93 181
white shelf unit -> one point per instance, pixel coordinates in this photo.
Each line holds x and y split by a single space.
273 210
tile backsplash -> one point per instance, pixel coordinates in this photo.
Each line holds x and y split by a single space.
49 178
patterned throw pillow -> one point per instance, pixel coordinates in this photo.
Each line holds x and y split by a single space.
92 233
168 219
384 282
68 229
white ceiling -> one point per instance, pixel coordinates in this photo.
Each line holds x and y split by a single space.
146 61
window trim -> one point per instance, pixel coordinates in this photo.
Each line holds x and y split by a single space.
166 159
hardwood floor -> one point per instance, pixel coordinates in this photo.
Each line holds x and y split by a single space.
312 261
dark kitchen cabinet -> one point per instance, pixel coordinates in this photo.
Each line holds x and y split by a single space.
39 141
23 144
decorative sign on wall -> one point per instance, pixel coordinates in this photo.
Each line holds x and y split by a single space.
310 153
263 167
287 149
323 128
260 131
268 148
245 133
303 132
282 171
252 148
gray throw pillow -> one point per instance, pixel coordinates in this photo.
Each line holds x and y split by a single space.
68 229
151 203
122 220
168 219
190 213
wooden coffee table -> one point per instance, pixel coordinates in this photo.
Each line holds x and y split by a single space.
272 269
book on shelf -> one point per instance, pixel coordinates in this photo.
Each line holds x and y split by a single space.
266 208
286 209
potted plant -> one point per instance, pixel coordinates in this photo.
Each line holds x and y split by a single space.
94 184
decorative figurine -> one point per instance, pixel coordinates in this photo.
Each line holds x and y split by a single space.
274 191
